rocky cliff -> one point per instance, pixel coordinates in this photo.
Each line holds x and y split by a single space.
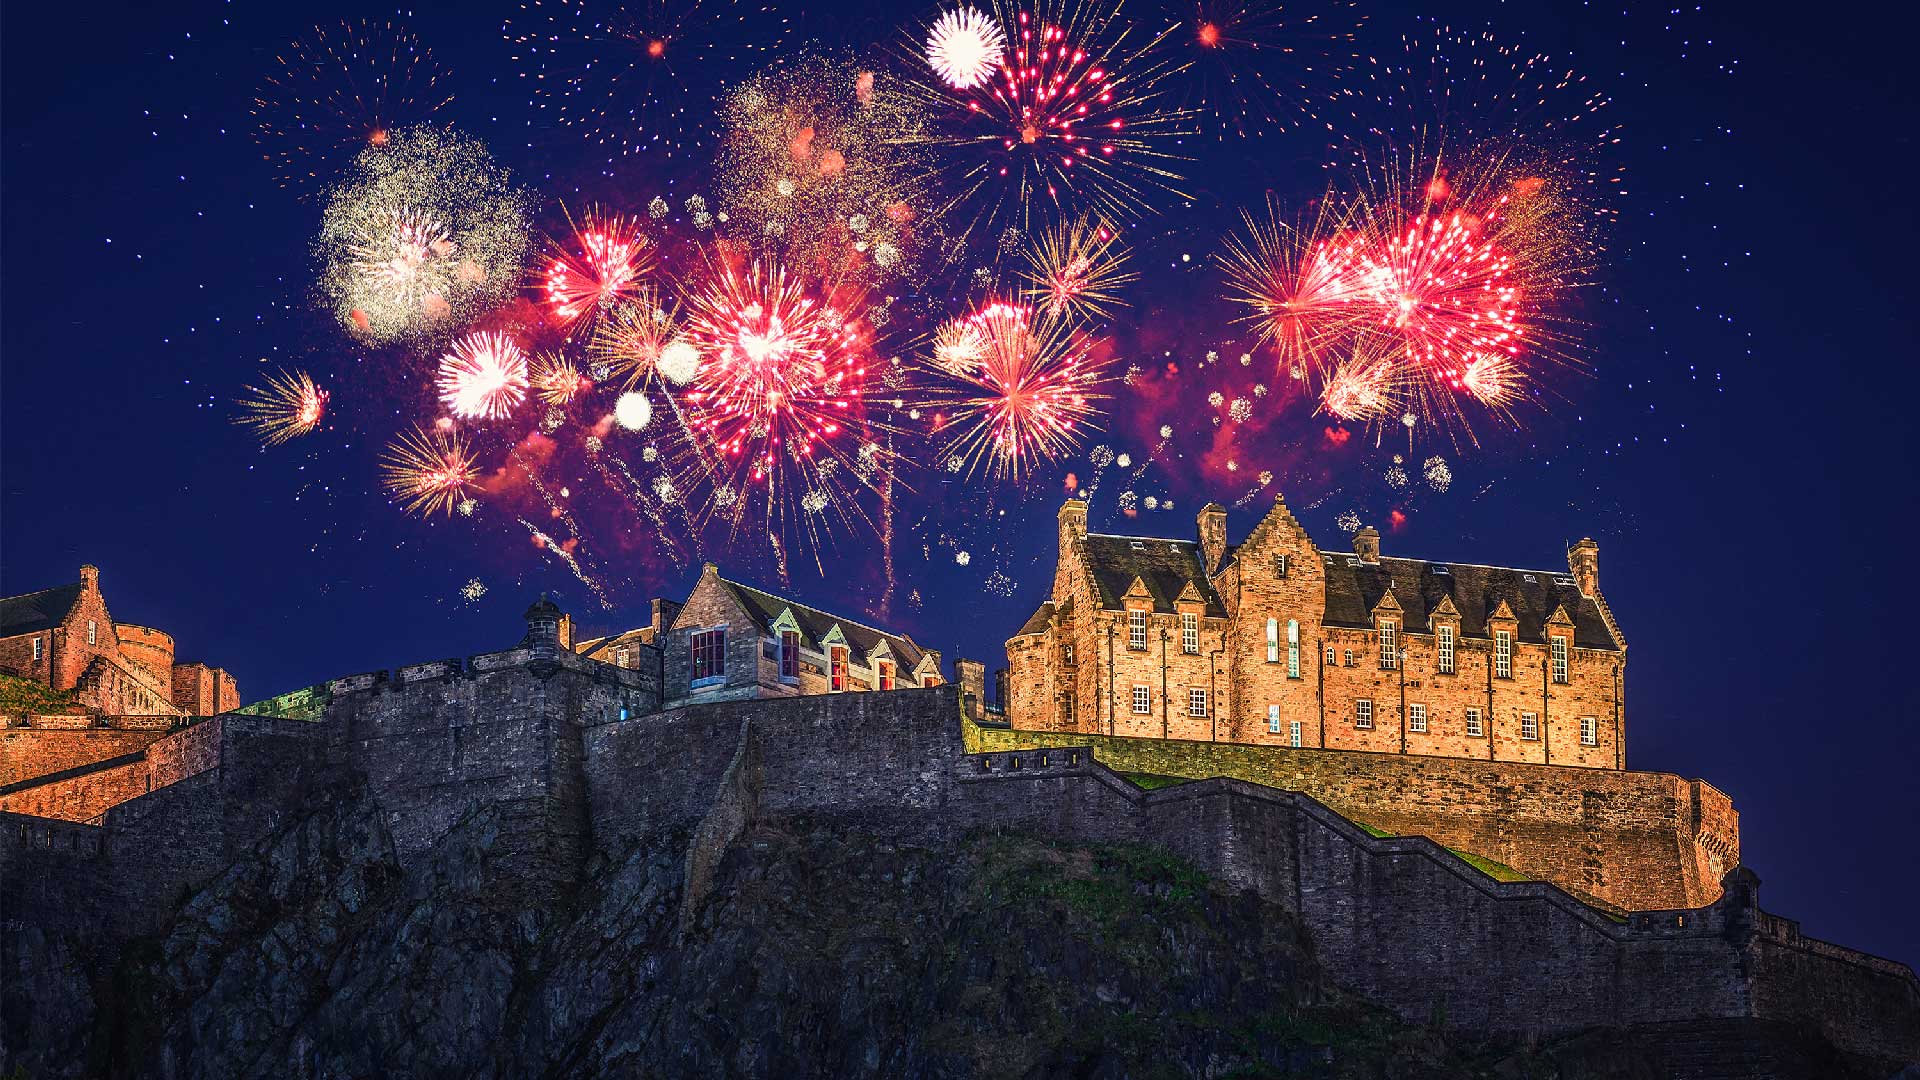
814 949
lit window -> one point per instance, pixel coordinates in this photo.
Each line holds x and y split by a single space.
1529 726
1293 648
885 671
1444 639
1363 713
1196 703
1190 633
1503 654
1473 723
837 668
1416 717
1559 659
1330 660
1293 733
1142 699
1136 629
93 637
1273 641
1589 731
1349 657
36 648
1273 719
789 654
709 654
1389 645
1068 657
929 680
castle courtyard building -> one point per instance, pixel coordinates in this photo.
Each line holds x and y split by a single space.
1274 641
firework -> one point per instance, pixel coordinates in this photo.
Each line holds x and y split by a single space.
628 344
633 411
428 471
1255 65
425 232
286 406
1298 278
820 163
1492 380
339 90
964 48
483 376
555 378
1030 399
1074 121
1361 387
1077 269
959 346
599 265
633 77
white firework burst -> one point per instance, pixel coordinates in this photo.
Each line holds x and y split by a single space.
964 47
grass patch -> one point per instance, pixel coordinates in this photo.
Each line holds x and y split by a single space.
1370 830
18 695
1498 871
1154 781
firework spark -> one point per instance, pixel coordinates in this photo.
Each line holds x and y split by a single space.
1298 279
1078 269
483 376
964 47
286 406
555 378
598 266
339 90
428 471
1254 65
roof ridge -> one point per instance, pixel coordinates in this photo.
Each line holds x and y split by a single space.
1124 536
1475 565
790 602
37 592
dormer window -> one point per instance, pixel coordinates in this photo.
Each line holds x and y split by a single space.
884 670
1438 569
1136 629
1138 546
837 668
1531 579
1559 658
1389 645
1190 634
789 654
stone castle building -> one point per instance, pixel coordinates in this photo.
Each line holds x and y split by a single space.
1274 641
64 639
730 641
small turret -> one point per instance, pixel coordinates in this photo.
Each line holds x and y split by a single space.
543 628
1366 544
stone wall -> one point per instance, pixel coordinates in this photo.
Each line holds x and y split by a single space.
29 752
1635 839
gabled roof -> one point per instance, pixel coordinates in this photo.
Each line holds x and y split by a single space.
1037 624
1165 567
595 647
32 612
1354 588
814 624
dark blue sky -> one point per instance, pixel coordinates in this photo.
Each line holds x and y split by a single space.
1742 451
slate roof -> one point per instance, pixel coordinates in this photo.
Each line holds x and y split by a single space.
815 624
1165 566
35 611
1354 587
1038 623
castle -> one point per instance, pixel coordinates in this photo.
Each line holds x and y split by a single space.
1274 641
572 761
64 639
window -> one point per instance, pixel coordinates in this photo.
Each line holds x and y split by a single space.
1330 660
1068 657
36 648
709 654
1349 657
1293 648
1293 733
1136 629
1196 703
1279 566
837 668
1559 659
789 654
929 680
1417 717
884 669
1389 645
1067 709
93 635
1589 731
1142 699
1473 723
1190 634
1503 654
1273 719
1273 641
1443 637
1529 726
1363 713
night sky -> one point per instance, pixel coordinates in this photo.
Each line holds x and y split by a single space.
1739 443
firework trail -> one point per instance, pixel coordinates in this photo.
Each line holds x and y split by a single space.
1254 66
288 405
428 471
339 90
564 553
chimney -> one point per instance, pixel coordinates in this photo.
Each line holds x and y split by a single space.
1583 560
972 677
566 632
543 628
1366 544
90 578
1212 520
1073 524
664 612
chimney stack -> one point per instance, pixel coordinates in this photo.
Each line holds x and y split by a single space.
90 578
1212 521
1366 544
1583 560
1073 524
972 677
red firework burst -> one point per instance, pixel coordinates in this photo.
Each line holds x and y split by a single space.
483 376
1439 282
598 266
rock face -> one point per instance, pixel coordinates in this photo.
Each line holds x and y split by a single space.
813 950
